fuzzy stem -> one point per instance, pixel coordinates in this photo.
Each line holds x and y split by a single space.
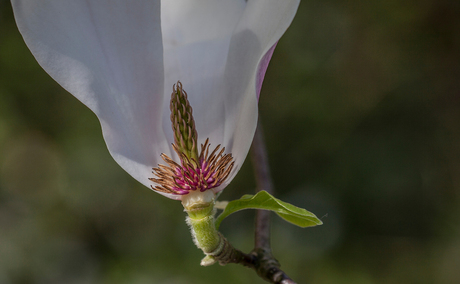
216 247
205 233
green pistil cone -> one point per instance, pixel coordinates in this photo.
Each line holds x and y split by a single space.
183 124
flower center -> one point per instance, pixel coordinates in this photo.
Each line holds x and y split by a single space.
195 172
212 170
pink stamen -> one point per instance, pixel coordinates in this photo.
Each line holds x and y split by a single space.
192 179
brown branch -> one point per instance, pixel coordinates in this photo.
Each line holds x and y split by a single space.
264 182
267 266
260 258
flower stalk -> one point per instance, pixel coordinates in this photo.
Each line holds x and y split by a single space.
200 209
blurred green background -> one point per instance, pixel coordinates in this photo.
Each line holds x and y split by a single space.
361 112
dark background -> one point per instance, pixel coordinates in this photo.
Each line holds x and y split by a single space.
361 112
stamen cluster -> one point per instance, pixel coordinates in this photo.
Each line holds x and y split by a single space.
212 170
195 172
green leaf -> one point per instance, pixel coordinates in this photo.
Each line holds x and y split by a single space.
263 200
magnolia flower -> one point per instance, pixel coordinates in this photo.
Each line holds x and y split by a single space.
121 59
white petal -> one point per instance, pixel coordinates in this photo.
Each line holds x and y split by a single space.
196 39
220 50
108 54
111 56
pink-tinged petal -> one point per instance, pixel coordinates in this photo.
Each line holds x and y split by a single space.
262 69
108 54
261 26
